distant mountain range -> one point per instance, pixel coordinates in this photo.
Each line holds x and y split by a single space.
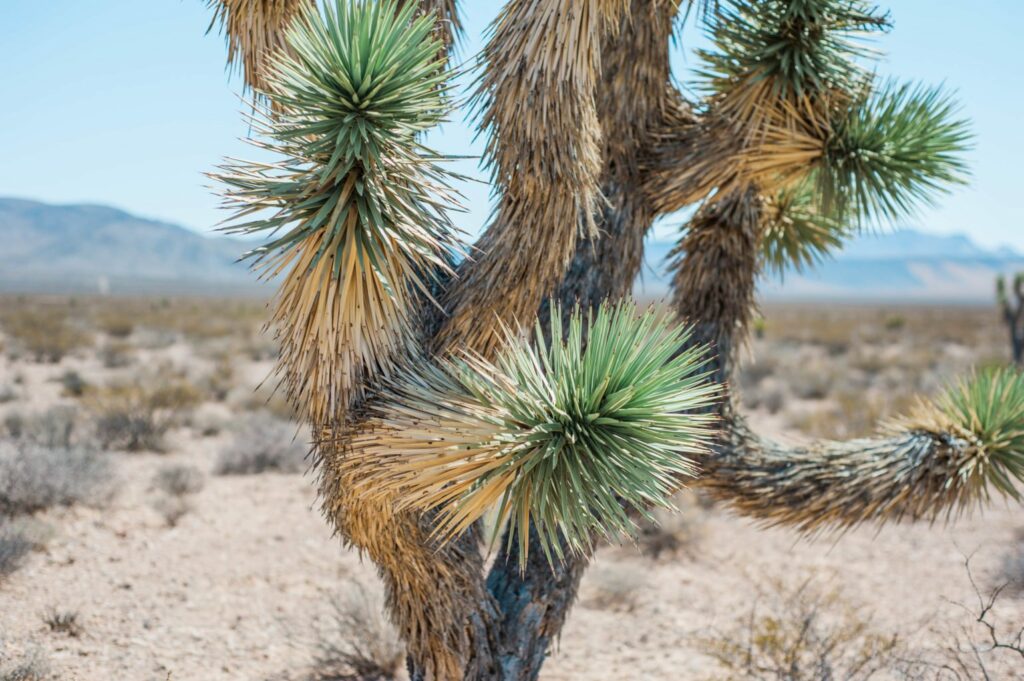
90 249
95 249
900 266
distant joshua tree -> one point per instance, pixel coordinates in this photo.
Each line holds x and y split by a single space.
1013 313
431 400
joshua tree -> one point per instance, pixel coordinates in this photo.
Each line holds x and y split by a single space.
406 351
1013 314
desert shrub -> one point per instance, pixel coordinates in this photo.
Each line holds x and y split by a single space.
14 548
38 533
977 645
19 537
13 424
53 428
262 443
853 414
114 355
801 634
751 374
259 347
674 533
894 322
267 399
135 416
45 333
34 477
210 419
172 509
812 382
613 586
30 667
218 383
7 393
178 480
116 322
1013 565
73 383
357 642
768 395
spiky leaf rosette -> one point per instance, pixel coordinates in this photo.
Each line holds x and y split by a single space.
355 210
780 65
896 146
796 232
774 76
986 412
565 436
786 49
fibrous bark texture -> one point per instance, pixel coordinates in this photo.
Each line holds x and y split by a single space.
589 142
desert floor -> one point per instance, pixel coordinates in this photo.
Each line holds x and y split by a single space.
196 559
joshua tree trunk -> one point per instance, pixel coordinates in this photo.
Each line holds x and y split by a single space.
1013 315
427 405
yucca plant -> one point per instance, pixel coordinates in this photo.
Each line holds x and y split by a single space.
443 382
1011 305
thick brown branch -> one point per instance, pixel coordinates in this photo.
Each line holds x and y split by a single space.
448 26
715 275
543 63
634 93
909 475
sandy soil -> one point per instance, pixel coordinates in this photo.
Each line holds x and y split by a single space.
233 591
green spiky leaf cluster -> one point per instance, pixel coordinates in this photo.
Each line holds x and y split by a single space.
565 437
797 233
355 209
363 80
989 409
801 46
894 148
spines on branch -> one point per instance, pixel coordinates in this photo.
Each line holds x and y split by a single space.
947 456
536 94
355 207
255 31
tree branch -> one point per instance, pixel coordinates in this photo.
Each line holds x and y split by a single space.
903 475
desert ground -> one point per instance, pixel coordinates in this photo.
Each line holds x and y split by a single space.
158 521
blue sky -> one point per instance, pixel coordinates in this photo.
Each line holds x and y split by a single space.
127 102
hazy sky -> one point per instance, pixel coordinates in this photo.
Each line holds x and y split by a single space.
127 102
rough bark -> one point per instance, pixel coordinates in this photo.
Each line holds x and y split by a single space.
634 99
1013 317
900 475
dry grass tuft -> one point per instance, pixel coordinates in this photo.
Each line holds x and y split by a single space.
18 537
172 509
34 477
14 549
358 643
54 427
135 416
1013 564
177 480
73 384
63 622
31 667
262 443
43 332
801 634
